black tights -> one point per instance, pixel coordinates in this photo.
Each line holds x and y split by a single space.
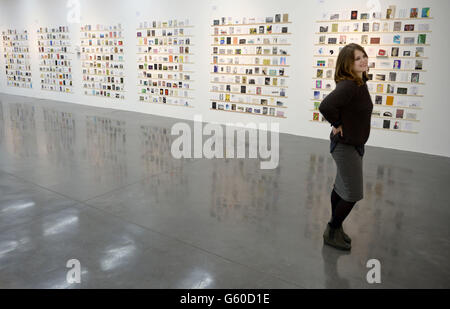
339 209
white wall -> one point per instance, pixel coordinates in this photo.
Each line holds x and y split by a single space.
433 126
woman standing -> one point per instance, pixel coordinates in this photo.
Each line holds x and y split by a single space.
348 108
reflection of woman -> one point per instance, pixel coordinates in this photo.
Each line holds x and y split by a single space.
349 108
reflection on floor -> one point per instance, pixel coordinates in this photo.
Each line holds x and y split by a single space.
102 187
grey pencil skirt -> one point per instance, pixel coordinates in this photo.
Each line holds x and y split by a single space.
349 177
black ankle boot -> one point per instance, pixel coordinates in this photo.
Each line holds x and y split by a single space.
333 237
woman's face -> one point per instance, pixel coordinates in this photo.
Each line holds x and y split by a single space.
360 64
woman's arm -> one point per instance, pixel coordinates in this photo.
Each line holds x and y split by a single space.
336 100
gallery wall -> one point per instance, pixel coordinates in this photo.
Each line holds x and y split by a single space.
432 129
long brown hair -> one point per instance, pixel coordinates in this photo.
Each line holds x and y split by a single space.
344 65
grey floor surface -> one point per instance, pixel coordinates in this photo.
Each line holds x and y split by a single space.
101 186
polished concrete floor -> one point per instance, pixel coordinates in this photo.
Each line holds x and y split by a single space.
101 186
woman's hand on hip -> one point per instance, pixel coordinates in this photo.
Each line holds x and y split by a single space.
338 130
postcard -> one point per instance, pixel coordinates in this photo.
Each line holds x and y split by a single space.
382 53
394 52
424 27
402 90
380 77
409 40
419 51
365 27
425 12
421 39
364 39
334 27
389 100
390 12
334 16
375 40
378 99
332 40
376 27
390 88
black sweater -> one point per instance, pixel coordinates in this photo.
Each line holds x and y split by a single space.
351 106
